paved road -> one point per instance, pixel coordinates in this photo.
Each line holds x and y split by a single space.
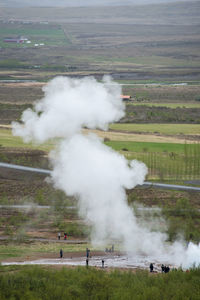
146 183
172 186
23 168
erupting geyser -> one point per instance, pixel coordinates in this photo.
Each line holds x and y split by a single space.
87 169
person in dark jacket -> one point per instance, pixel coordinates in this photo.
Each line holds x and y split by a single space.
167 269
87 252
163 268
102 263
151 267
61 253
87 262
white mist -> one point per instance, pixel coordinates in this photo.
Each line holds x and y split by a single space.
92 172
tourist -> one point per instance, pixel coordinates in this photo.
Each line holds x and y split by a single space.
102 263
87 252
151 267
163 268
87 262
167 269
61 253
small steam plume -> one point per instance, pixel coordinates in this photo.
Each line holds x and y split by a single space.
92 172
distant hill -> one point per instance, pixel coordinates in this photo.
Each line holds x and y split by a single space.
79 3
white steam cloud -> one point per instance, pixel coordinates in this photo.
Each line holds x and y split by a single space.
92 172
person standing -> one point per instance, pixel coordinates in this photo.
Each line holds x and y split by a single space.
163 268
61 253
102 263
87 262
59 235
151 267
87 252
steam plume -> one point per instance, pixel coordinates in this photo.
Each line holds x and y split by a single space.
87 169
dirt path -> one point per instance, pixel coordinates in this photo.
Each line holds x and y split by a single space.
144 137
62 241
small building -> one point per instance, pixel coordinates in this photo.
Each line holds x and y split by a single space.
125 97
12 40
18 40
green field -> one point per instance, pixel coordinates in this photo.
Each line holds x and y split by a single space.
43 283
160 46
170 105
23 249
164 160
166 129
155 60
8 140
151 147
36 33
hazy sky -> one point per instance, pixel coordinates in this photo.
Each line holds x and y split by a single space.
20 3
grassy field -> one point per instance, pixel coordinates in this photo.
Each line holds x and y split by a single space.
164 161
170 105
81 283
28 249
162 94
166 129
50 35
8 140
166 52
151 147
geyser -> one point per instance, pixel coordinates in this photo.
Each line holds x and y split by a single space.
87 169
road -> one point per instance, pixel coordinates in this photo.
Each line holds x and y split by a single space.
145 184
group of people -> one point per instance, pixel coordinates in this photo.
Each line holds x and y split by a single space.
164 269
59 236
110 249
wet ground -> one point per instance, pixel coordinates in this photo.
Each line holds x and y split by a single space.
110 261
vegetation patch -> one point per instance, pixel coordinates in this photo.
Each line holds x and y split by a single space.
82 283
166 129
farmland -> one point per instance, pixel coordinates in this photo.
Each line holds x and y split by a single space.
120 42
153 52
166 129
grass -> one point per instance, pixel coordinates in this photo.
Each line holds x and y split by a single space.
164 160
12 250
148 147
169 105
156 61
47 34
166 129
8 140
152 82
28 282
